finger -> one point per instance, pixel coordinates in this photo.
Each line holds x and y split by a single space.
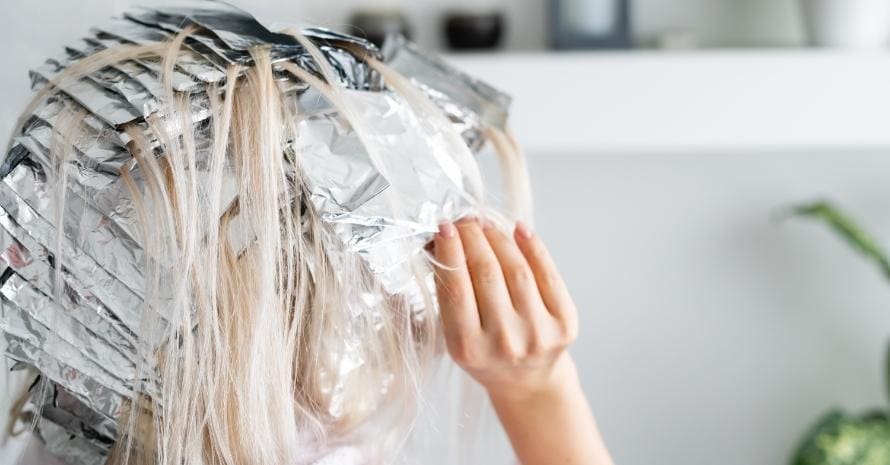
454 290
550 283
492 297
517 273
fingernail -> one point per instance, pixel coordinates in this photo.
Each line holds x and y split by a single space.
446 230
486 223
524 231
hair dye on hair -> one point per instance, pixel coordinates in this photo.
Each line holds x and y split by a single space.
213 238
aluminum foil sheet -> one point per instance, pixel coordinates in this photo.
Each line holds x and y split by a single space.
85 332
59 406
73 449
88 390
469 102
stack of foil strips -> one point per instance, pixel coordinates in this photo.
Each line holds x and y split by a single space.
83 340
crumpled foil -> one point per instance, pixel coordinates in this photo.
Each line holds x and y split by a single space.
82 333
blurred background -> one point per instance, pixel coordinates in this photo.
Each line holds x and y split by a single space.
668 143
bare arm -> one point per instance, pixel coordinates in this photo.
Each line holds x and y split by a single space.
508 319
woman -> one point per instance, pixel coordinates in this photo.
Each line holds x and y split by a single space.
214 250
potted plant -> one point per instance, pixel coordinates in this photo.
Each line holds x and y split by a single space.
840 438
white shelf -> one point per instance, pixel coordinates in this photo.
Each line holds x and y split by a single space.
699 101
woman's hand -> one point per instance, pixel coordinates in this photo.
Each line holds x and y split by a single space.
508 318
506 312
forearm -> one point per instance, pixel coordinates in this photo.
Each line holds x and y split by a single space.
552 424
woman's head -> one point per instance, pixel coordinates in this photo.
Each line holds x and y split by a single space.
214 236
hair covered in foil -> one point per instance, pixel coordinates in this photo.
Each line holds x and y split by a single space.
213 237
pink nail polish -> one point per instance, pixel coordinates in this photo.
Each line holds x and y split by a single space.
524 231
446 230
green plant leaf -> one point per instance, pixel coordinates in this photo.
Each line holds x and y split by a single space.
848 229
807 452
841 439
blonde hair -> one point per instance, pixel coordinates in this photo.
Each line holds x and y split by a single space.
265 360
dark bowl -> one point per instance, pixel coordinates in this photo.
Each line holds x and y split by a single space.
465 31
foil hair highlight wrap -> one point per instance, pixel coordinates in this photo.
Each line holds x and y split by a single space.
212 237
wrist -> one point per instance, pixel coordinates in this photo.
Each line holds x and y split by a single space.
556 382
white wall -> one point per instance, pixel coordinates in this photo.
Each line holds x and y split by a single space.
711 333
